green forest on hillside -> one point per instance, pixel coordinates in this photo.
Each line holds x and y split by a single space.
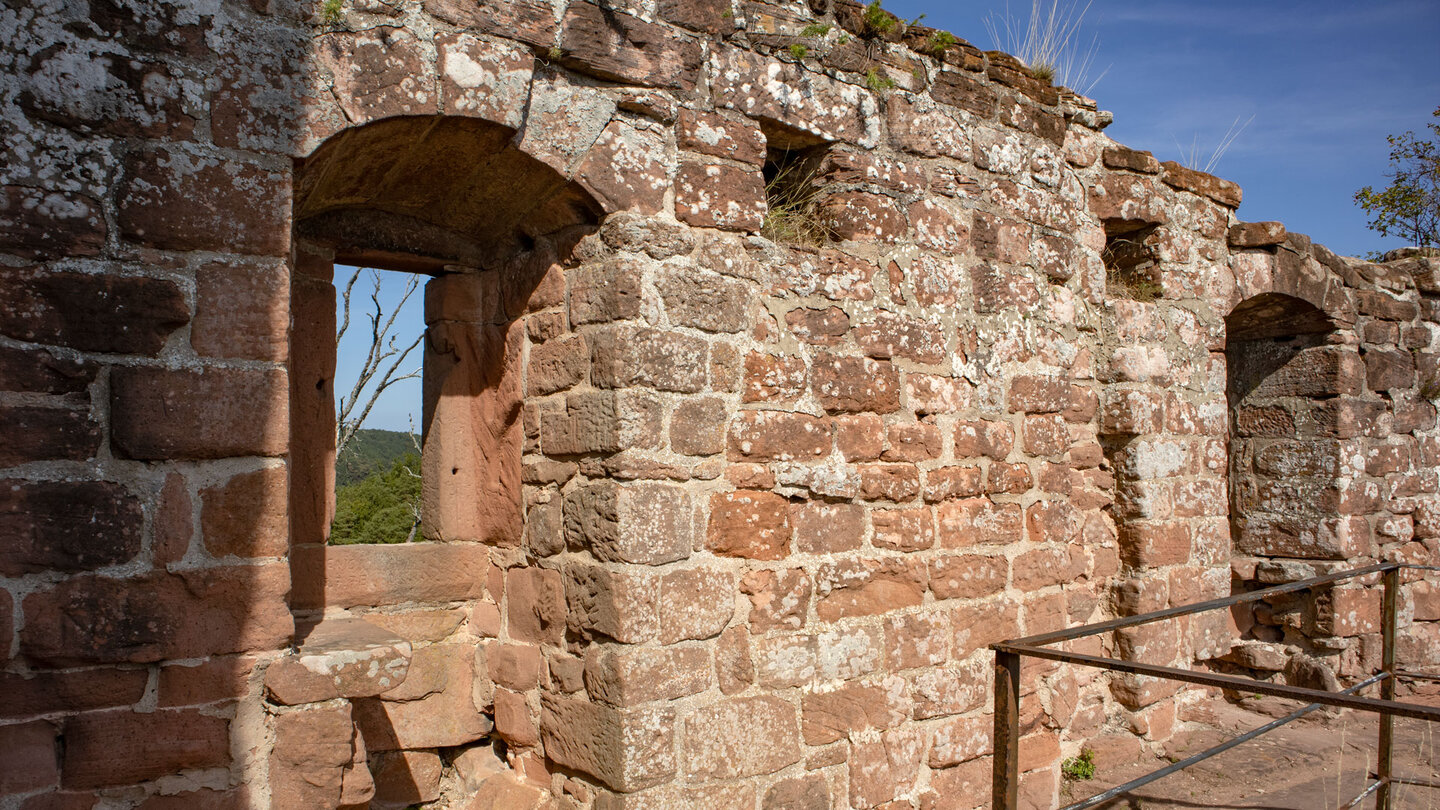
377 489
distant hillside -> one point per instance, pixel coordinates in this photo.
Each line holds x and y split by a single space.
371 451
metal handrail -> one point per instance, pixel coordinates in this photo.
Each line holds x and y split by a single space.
1005 779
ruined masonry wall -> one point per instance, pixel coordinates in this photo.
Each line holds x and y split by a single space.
775 501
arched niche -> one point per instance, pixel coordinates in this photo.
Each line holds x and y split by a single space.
1284 377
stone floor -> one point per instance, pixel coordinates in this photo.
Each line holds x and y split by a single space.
1314 763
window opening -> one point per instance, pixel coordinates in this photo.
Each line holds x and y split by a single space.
379 353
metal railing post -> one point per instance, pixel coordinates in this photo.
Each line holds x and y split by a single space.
1384 799
1005 790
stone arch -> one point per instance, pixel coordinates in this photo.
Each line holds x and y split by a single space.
458 199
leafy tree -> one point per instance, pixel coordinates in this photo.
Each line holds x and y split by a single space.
1410 207
384 507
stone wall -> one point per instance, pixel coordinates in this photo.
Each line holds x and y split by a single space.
713 520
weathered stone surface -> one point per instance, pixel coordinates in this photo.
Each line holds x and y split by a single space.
712 303
348 658
174 199
739 738
864 587
764 88
353 576
159 616
856 385
635 523
314 749
649 358
207 414
92 312
69 527
626 678
627 750
628 169
614 45
405 778
31 761
42 372
754 525
617 604
1207 185
433 707
242 311
720 135
719 196
123 747
778 436
39 224
695 604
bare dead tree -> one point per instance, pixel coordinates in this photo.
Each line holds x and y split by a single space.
383 361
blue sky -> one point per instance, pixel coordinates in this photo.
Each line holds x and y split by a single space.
1325 83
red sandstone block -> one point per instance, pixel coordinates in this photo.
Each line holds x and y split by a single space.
966 576
863 216
174 200
47 692
1043 567
778 599
100 313
162 414
777 436
855 384
754 525
949 483
719 196
67 526
7 624
741 737
1005 477
557 365
216 679
818 327
159 616
913 442
695 604
313 749
697 427
827 528
852 709
917 640
860 437
247 516
865 587
719 134
41 372
535 599
1047 435
1052 522
891 482
904 529
46 434
978 520
242 311
1030 394
42 224
237 799
29 763
773 379
991 439
1154 544
352 576
121 747
405 778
